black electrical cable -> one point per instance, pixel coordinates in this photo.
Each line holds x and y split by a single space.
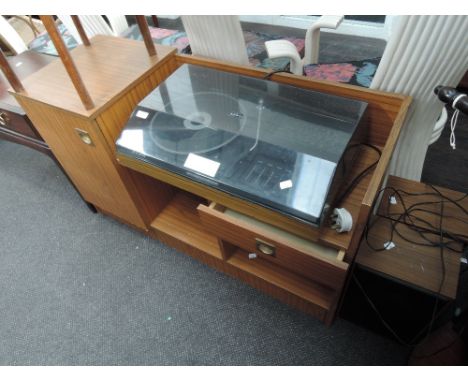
460 238
361 175
407 215
268 75
429 212
449 199
409 219
421 230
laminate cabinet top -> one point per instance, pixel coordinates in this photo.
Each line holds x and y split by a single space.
23 65
108 67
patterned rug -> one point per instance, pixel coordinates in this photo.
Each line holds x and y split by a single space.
169 37
254 42
43 44
358 73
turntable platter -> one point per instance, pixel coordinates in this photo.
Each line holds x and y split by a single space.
198 123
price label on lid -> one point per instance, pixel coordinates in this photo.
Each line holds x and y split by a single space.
142 114
286 184
203 165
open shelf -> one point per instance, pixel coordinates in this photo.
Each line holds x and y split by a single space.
180 221
283 279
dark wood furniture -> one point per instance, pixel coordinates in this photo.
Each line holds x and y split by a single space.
15 125
311 266
419 266
413 287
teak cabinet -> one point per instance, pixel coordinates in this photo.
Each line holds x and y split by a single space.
82 140
298 264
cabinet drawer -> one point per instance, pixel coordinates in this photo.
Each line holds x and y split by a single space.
17 123
318 263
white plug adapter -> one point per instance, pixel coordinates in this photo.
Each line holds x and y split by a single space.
342 220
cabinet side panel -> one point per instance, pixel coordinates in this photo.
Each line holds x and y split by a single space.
150 194
89 166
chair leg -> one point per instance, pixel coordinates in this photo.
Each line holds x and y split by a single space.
312 39
285 48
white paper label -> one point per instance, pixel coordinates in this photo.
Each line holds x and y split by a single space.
286 184
203 165
393 200
142 114
389 245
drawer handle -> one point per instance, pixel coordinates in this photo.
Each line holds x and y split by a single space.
84 136
265 248
4 119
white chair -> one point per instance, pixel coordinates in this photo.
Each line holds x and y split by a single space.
284 48
218 37
95 24
11 38
422 52
439 126
118 24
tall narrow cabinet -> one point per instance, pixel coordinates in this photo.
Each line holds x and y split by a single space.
118 73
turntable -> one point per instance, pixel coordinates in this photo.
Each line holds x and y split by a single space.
275 145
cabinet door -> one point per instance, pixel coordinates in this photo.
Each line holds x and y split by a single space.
89 165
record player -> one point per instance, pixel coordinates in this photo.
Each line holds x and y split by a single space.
275 145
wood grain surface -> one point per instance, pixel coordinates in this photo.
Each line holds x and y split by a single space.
109 67
418 265
308 262
23 64
10 74
145 32
67 61
90 167
180 220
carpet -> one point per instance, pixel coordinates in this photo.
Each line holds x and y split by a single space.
79 288
360 73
